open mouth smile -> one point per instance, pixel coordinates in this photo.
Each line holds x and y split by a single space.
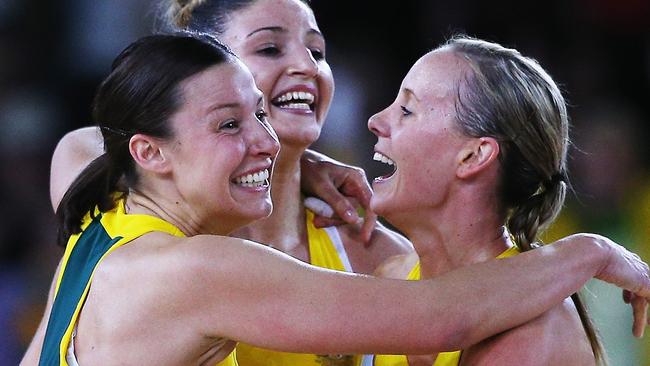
386 160
296 100
254 180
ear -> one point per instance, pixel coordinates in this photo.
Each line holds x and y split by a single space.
477 155
147 153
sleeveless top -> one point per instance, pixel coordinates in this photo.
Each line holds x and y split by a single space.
325 250
444 358
100 235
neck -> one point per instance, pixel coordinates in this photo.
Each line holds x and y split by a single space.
467 232
285 228
160 206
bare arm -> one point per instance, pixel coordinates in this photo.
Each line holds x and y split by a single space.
33 353
260 296
73 153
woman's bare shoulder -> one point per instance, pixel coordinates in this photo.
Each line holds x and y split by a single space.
557 337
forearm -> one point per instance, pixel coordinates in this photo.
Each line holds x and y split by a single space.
508 292
33 353
299 308
453 311
73 153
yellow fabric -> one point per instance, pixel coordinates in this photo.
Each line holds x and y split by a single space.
322 253
444 358
230 360
117 223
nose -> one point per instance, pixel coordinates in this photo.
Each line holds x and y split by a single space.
378 125
264 141
303 64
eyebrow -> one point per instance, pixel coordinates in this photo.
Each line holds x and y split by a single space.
213 108
230 105
411 93
270 29
278 29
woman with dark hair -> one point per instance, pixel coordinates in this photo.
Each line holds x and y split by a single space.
150 277
282 45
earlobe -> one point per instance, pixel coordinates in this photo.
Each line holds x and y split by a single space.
478 155
147 153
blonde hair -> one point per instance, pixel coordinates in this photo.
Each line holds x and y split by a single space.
511 98
179 12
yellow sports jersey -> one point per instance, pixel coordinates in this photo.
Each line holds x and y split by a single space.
444 358
100 236
326 251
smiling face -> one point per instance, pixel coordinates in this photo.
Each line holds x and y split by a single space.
417 135
223 149
281 44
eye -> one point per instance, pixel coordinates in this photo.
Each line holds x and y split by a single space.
269 51
261 115
230 124
317 54
405 111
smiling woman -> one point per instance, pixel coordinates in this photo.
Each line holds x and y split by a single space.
487 130
150 277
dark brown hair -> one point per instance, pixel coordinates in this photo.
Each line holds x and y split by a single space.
139 96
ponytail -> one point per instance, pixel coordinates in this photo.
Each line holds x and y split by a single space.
94 187
511 98
179 12
535 213
524 224
140 95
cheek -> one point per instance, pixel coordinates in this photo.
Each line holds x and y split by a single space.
326 87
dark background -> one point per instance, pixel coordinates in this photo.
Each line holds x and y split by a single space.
53 55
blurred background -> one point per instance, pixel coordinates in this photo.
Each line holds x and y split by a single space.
54 54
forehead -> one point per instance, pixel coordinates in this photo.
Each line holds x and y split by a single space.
436 75
273 13
229 82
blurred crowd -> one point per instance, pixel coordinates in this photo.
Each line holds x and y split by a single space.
54 54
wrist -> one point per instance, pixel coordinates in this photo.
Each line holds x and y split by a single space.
593 249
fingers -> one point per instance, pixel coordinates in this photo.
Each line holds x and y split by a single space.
640 309
369 221
627 296
356 185
319 207
325 215
321 222
339 205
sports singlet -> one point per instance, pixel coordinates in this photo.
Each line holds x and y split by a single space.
325 250
100 236
444 358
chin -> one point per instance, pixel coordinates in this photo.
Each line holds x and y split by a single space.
304 137
379 206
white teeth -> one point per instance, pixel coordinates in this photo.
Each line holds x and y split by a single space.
383 158
304 106
253 180
298 96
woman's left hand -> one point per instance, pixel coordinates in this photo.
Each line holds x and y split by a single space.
343 187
